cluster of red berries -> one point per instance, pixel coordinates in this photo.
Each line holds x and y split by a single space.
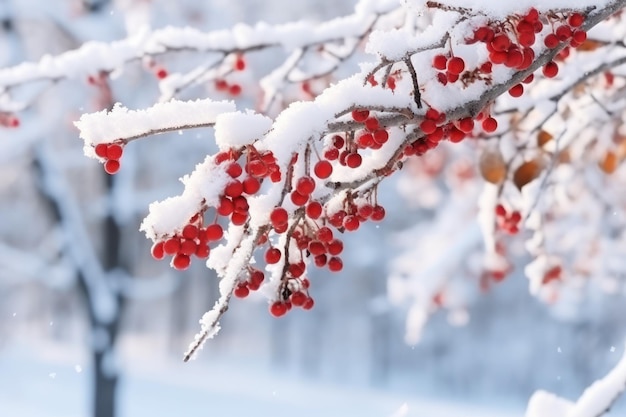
509 222
233 89
193 240
252 283
345 151
9 120
452 67
294 294
552 274
112 153
233 201
223 85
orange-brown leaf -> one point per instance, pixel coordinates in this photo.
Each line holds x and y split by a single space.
525 173
492 166
589 45
543 137
609 163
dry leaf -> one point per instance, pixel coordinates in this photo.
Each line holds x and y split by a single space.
525 173
609 163
543 137
589 45
492 166
564 157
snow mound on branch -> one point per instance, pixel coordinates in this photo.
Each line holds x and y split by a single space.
122 123
545 404
501 9
238 129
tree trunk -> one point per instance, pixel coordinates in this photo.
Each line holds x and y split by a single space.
105 385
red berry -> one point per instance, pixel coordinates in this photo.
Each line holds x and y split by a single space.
335 247
234 170
296 270
335 264
298 199
381 136
579 36
157 250
279 216
433 114
298 298
188 247
365 140
378 213
354 160
171 246
226 207
112 166
365 210
240 63
241 291
101 150
428 126
323 169
233 188
500 210
490 125
576 20
234 90
320 260
305 185
278 309
466 125
501 43
563 33
351 223
181 262
272 255
551 41
221 85
257 168
203 250
516 216
214 232
551 69
439 62
316 247
324 234
308 304
527 39
339 141
251 185
256 278
161 73
114 151
371 123
190 231
456 65
532 15
314 210
517 90
456 135
360 115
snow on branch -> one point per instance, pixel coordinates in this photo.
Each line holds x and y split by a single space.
287 187
595 401
120 123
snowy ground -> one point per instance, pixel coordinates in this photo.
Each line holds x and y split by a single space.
52 382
